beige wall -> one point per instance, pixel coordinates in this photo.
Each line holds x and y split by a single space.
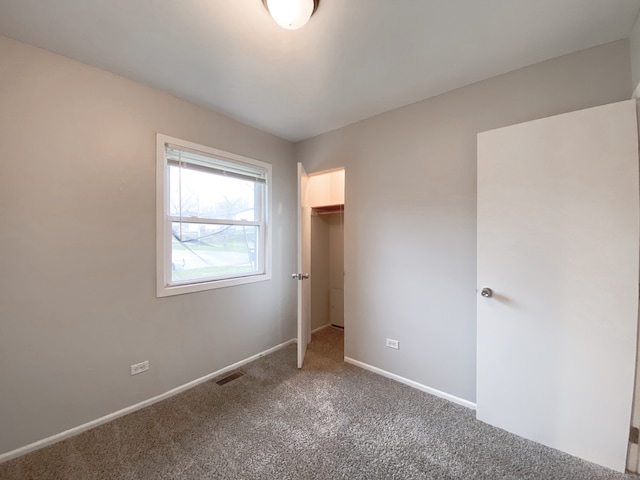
336 250
410 222
327 264
320 267
634 41
77 248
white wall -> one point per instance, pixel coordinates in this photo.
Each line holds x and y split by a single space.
410 222
77 248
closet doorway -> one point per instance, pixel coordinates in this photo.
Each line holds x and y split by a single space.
326 199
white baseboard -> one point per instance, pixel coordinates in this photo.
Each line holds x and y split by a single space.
145 403
411 383
316 330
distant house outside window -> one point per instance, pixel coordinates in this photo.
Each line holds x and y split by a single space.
213 228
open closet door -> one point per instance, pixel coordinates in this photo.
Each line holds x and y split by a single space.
558 245
304 265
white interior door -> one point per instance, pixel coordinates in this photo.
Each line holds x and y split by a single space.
304 265
558 244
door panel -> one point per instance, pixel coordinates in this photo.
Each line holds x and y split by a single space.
304 265
558 244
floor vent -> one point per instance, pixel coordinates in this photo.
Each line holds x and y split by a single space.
229 378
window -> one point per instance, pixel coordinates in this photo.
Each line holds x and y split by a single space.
212 222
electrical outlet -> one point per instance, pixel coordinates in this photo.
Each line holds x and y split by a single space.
140 367
393 343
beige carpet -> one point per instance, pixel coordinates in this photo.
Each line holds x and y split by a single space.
329 420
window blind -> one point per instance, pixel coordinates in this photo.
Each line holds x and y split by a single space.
194 160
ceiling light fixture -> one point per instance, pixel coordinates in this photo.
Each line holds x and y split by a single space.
291 14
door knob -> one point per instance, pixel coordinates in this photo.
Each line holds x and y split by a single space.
486 292
299 276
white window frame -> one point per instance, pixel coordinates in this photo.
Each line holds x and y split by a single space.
163 222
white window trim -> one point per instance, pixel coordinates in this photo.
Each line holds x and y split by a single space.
163 224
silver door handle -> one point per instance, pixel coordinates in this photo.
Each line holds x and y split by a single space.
299 276
486 292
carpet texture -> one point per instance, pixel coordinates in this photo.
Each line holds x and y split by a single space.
329 420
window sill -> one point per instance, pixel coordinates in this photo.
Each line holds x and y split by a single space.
167 291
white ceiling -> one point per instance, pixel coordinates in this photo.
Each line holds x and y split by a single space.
354 59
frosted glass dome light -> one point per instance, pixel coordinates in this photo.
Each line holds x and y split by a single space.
291 14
